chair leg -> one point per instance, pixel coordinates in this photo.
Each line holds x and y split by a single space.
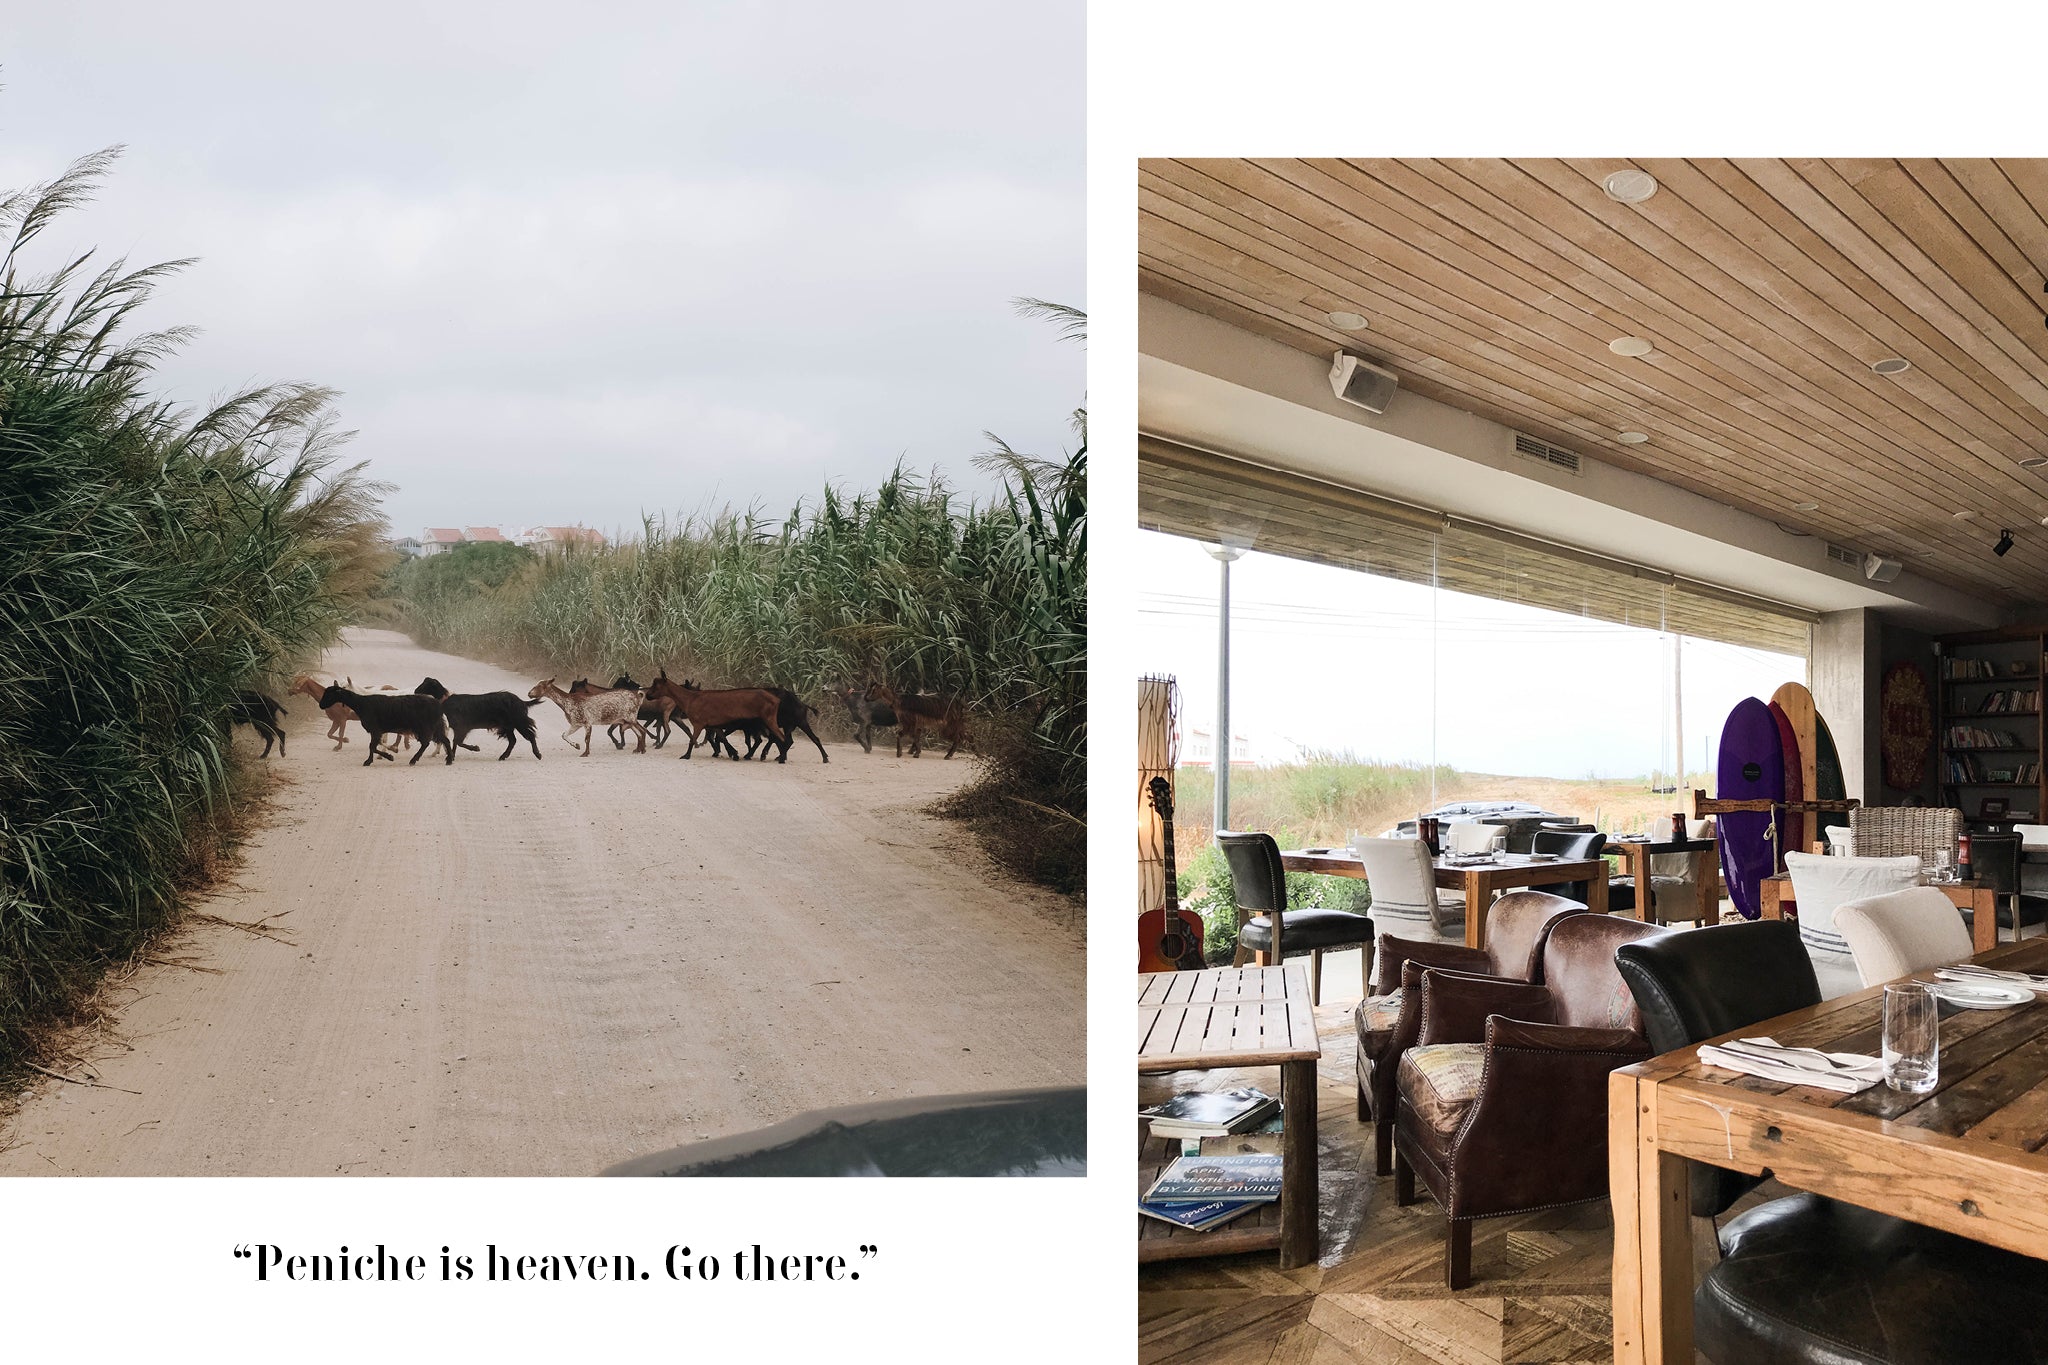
1315 976
1383 1148
1365 969
1458 1253
1404 1177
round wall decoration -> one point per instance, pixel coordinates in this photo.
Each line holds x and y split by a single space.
1907 719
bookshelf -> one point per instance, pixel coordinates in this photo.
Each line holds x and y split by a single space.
1988 726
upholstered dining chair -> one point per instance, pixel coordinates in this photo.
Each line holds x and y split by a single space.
1804 1278
1402 876
1574 845
1821 883
1470 836
1902 932
1389 1019
1268 928
1501 1105
1995 861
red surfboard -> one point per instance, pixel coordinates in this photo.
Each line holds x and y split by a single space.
1791 825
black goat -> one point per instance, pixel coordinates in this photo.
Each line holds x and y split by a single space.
259 710
505 714
791 715
389 713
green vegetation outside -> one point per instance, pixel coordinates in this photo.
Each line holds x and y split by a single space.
154 561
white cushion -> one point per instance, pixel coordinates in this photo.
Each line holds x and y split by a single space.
1901 932
1820 884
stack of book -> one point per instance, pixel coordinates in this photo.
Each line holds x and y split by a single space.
1201 1192
1211 1113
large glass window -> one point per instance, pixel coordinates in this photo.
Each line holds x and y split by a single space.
1359 700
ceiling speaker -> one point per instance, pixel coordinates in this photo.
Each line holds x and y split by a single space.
1880 569
1362 383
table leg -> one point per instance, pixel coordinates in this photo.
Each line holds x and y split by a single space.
1768 893
1300 1177
1706 869
1596 889
1477 893
1984 919
1651 1195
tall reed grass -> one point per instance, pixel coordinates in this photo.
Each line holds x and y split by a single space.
153 561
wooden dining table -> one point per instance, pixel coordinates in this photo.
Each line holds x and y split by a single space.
1480 881
1962 1157
1705 907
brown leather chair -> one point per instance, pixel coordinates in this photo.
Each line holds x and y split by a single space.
1389 1018
1501 1105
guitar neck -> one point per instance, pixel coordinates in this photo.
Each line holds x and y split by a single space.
1172 880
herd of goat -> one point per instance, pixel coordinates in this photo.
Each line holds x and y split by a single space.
768 718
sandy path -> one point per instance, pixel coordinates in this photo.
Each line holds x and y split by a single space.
541 968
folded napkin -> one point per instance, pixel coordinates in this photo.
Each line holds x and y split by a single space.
1845 1072
1964 971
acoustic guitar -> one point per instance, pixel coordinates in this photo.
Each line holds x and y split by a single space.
1169 938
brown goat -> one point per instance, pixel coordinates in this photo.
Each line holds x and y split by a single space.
724 707
338 715
915 712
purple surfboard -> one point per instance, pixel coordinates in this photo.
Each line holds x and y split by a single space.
1752 768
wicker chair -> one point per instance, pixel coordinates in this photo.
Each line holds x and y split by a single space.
1896 831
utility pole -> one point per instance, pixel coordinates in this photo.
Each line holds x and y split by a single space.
1224 555
1678 706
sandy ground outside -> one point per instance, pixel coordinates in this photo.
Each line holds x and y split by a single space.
542 968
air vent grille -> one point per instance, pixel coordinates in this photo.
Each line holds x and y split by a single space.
1842 554
1554 456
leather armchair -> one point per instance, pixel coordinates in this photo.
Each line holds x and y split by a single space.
1804 1278
1501 1104
1390 1017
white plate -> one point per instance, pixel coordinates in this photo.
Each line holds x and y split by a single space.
1989 995
1541 857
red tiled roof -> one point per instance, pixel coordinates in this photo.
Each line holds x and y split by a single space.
484 533
574 533
442 533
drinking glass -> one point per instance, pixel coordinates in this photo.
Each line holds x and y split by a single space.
1943 870
1912 1046
1499 845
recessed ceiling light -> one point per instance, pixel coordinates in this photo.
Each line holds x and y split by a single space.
1632 438
1350 322
1630 186
1630 346
1962 516
1806 507
2034 462
1892 365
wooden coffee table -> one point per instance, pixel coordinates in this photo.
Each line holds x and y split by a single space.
1228 1017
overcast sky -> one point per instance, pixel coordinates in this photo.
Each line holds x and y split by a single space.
566 268
1490 687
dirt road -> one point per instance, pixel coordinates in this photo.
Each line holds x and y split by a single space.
540 968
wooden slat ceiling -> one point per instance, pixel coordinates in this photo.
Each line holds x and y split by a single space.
1209 497
1768 288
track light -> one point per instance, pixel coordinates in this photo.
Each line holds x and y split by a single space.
2004 543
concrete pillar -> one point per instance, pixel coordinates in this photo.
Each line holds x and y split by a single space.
1846 667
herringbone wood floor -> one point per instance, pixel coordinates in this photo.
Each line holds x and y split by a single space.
1539 1292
